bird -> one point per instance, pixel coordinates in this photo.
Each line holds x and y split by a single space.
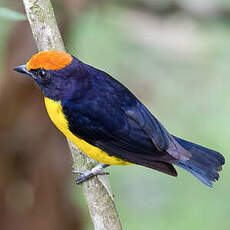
106 121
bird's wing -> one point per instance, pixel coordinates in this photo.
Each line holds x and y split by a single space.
112 131
160 137
110 117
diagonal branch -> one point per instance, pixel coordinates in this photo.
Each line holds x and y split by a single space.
97 189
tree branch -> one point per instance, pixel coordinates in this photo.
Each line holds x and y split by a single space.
97 189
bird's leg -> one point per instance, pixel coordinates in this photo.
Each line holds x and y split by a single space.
97 170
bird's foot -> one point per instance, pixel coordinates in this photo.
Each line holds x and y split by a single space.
97 170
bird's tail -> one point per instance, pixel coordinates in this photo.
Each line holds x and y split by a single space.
204 163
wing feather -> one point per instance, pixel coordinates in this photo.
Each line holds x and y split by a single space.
160 137
110 117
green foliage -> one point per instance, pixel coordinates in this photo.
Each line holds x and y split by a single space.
179 67
8 14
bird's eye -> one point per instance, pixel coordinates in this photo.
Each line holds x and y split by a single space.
43 74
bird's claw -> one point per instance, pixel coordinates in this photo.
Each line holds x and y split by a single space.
77 172
88 174
84 176
97 170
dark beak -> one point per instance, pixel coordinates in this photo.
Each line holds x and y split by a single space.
22 69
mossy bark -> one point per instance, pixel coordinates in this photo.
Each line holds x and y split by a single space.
97 189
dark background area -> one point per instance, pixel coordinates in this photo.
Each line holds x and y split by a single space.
174 55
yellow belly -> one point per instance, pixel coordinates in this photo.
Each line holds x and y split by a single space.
55 112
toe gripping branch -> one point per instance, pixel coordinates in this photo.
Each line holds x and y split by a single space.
97 170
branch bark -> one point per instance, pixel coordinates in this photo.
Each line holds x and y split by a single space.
97 189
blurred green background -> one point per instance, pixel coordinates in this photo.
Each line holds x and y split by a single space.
174 55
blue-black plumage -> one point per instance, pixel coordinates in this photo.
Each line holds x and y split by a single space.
109 123
204 163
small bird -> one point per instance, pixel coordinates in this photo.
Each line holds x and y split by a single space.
108 123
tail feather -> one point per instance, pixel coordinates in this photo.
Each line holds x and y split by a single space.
204 163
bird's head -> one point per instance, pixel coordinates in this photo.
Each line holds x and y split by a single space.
53 71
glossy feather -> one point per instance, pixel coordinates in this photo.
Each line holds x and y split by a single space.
107 122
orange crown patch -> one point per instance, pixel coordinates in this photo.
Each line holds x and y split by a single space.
49 60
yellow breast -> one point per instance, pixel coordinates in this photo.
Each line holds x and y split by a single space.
55 112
